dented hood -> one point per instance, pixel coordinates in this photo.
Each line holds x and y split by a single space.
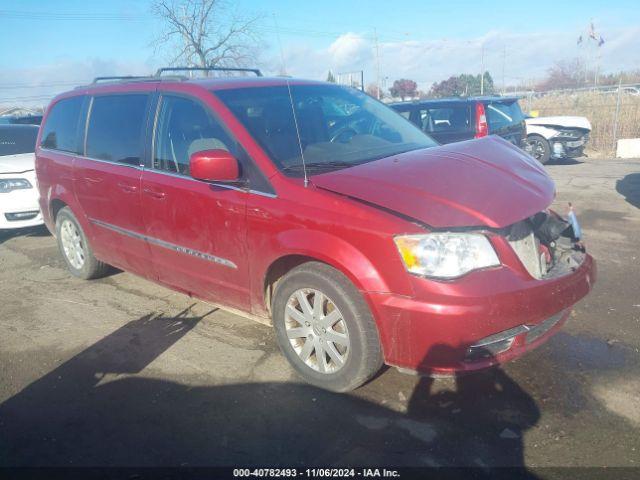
486 182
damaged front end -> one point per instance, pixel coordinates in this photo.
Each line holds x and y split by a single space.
547 245
569 142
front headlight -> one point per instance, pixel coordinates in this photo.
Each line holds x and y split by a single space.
10 184
565 134
446 255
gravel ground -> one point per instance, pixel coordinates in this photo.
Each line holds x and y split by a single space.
120 371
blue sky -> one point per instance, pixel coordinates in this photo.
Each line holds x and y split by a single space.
66 41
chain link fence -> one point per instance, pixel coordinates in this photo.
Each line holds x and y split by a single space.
614 112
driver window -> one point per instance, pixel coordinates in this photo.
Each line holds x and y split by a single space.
183 128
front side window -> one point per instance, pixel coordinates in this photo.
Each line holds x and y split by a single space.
338 127
60 131
116 128
183 128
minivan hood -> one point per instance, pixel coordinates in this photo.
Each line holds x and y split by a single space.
20 163
485 182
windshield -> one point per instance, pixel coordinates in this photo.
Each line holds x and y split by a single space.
15 140
339 127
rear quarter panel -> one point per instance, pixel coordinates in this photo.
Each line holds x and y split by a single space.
54 171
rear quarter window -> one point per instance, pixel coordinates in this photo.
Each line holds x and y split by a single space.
454 118
60 131
116 128
502 114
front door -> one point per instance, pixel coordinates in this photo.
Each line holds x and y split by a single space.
107 180
196 230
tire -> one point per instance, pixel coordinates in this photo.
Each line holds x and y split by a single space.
361 354
75 248
539 148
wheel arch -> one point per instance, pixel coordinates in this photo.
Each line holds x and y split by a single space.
54 208
301 246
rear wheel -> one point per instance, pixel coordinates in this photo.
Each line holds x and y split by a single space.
75 248
539 148
325 329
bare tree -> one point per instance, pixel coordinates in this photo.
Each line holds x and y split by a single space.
206 33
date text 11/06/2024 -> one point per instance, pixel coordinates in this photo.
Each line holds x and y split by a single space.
316 472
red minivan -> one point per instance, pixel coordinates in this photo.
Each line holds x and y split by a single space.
317 209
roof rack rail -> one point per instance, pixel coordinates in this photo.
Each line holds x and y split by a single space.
116 78
160 71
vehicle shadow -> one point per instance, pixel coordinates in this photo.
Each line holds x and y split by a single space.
93 411
629 188
39 231
564 161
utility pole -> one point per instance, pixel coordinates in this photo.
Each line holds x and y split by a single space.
482 69
504 61
375 39
283 67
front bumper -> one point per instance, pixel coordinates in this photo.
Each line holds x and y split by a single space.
435 331
563 147
20 208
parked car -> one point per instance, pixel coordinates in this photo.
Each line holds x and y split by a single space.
18 194
21 120
318 209
556 137
450 120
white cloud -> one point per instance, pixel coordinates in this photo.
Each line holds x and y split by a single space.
37 85
526 56
350 51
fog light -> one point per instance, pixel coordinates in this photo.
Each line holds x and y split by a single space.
558 149
494 344
14 217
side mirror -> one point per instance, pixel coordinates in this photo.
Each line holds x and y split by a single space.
214 166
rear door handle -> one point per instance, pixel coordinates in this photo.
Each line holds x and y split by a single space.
155 193
127 188
93 180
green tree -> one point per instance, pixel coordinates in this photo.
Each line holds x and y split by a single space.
330 77
463 85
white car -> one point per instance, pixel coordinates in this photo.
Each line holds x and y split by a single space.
18 193
556 137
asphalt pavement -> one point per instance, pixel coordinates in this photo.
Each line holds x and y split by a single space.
120 371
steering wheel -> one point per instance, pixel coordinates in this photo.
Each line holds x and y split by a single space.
341 132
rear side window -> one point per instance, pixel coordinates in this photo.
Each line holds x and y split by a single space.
184 127
502 114
16 140
60 132
445 119
116 127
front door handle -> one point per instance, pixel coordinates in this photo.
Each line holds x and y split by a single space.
127 188
155 193
93 180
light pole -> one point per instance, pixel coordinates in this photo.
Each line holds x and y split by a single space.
482 69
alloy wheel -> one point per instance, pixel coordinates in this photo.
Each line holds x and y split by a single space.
72 244
536 148
317 330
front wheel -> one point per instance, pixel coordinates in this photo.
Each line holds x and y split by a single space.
325 329
539 148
